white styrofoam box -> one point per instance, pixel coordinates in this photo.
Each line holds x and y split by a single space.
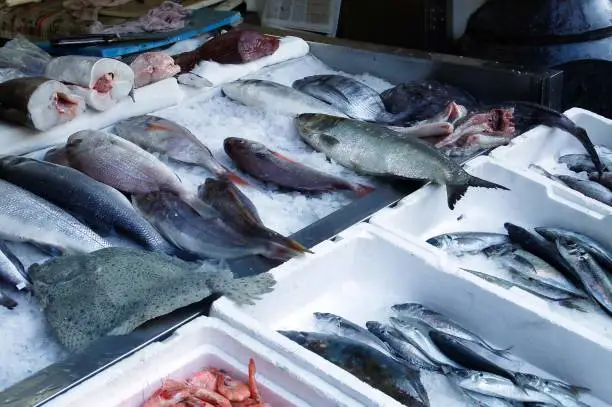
204 342
367 269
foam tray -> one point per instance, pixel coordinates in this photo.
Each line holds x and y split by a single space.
204 342
366 270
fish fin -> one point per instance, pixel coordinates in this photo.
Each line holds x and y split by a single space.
582 136
363 190
282 157
328 140
502 353
569 303
7 301
286 249
483 183
577 390
158 127
491 279
247 290
231 176
454 194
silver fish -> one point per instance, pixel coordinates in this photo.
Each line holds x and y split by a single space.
359 146
589 188
558 390
11 269
459 243
336 325
590 245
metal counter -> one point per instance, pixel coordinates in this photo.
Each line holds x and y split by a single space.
487 81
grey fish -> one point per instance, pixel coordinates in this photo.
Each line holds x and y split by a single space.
336 325
401 348
480 400
114 290
26 217
57 156
442 323
589 188
590 245
359 146
604 179
597 282
158 135
564 393
459 243
94 203
203 236
578 162
6 300
380 371
11 269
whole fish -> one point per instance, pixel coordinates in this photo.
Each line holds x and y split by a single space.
114 290
578 162
417 333
378 370
359 146
11 269
442 323
276 97
400 348
459 243
208 236
351 97
272 167
592 246
57 156
589 188
92 202
26 217
597 282
556 389
6 300
604 179
336 325
158 135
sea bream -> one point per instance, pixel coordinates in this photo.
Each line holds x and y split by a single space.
102 82
371 149
158 135
39 103
273 167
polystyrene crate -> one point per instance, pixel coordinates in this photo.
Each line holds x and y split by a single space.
204 342
366 270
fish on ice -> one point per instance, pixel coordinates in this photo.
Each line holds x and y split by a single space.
151 67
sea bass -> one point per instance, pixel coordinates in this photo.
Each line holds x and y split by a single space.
272 167
360 146
276 97
373 367
94 203
336 325
11 269
26 217
158 135
114 290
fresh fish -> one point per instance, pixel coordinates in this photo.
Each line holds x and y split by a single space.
590 245
578 162
6 300
442 323
158 135
276 97
597 282
336 325
480 400
204 236
496 386
57 156
351 97
102 82
563 392
94 203
400 348
39 103
378 370
417 333
604 179
11 269
273 167
359 146
459 243
26 217
114 290
151 67
591 189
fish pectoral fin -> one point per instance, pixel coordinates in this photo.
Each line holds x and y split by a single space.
282 157
158 127
328 140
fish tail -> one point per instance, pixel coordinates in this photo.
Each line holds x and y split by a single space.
582 136
454 194
502 353
7 301
247 290
283 248
577 390
362 190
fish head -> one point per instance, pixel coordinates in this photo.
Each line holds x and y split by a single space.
474 380
377 328
212 187
567 245
12 160
235 146
154 202
407 307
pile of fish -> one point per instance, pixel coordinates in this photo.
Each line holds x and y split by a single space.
391 357
556 264
208 387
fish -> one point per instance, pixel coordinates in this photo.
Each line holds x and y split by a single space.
57 156
359 146
596 280
459 243
336 325
39 103
151 67
578 162
443 324
102 82
592 246
6 300
11 269
273 167
604 179
275 97
113 290
563 392
480 400
400 348
353 98
97 205
380 371
417 333
26 217
158 135
589 188
207 236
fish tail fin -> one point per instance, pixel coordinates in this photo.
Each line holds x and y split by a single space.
483 183
247 290
454 194
581 134
7 301
284 248
362 190
577 390
502 353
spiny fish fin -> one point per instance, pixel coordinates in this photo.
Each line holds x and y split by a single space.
247 290
158 127
454 194
483 183
282 157
363 190
328 140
